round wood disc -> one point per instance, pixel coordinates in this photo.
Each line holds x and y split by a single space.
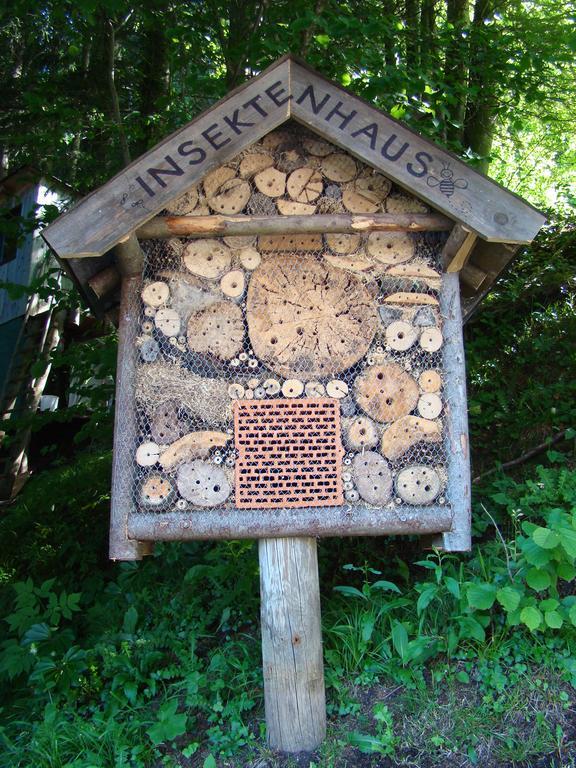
167 320
214 180
156 294
346 244
306 319
404 204
390 247
430 381
147 454
293 208
418 484
203 484
165 426
232 284
156 491
292 388
357 203
317 147
431 339
373 478
236 391
254 163
339 167
231 197
149 350
400 335
315 389
271 387
185 204
337 388
374 187
430 405
361 432
304 185
271 182
274 139
406 432
207 258
249 258
217 330
386 392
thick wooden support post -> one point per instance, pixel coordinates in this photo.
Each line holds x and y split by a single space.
294 695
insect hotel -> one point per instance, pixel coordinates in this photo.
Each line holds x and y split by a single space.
293 270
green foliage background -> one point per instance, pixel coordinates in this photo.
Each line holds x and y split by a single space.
157 663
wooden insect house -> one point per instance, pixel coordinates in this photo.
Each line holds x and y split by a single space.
295 268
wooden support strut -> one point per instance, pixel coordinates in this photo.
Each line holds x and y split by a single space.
218 226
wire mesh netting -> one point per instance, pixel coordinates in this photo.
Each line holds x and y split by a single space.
312 345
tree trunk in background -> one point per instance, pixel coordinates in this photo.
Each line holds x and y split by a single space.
114 100
412 21
428 42
244 19
389 12
456 67
155 84
482 106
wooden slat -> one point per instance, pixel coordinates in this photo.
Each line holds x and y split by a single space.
144 188
216 226
457 248
418 165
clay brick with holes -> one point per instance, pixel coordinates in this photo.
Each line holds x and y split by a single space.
289 453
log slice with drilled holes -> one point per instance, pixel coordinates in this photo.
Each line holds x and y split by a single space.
308 320
386 392
217 330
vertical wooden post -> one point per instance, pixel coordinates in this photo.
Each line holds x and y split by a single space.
293 667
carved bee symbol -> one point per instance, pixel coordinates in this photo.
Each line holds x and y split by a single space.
447 183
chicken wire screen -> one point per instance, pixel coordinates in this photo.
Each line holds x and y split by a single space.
246 325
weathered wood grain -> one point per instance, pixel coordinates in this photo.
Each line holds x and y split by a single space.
415 163
457 248
162 227
292 665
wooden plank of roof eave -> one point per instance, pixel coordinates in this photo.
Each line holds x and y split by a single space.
108 215
414 162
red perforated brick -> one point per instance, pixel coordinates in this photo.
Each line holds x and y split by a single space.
289 453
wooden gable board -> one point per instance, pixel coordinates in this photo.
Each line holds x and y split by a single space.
290 89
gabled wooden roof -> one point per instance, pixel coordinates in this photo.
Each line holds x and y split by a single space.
289 89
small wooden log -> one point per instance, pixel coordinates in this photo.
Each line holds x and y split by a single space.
185 204
194 445
149 350
294 208
156 294
290 242
206 258
430 381
418 484
214 180
203 484
147 454
233 283
217 330
411 298
406 432
236 391
292 663
105 282
249 258
317 147
252 164
390 247
166 227
271 182
386 392
430 405
339 167
292 388
231 197
156 491
400 335
168 321
304 185
343 244
165 426
271 387
431 339
337 388
359 433
372 477
366 194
